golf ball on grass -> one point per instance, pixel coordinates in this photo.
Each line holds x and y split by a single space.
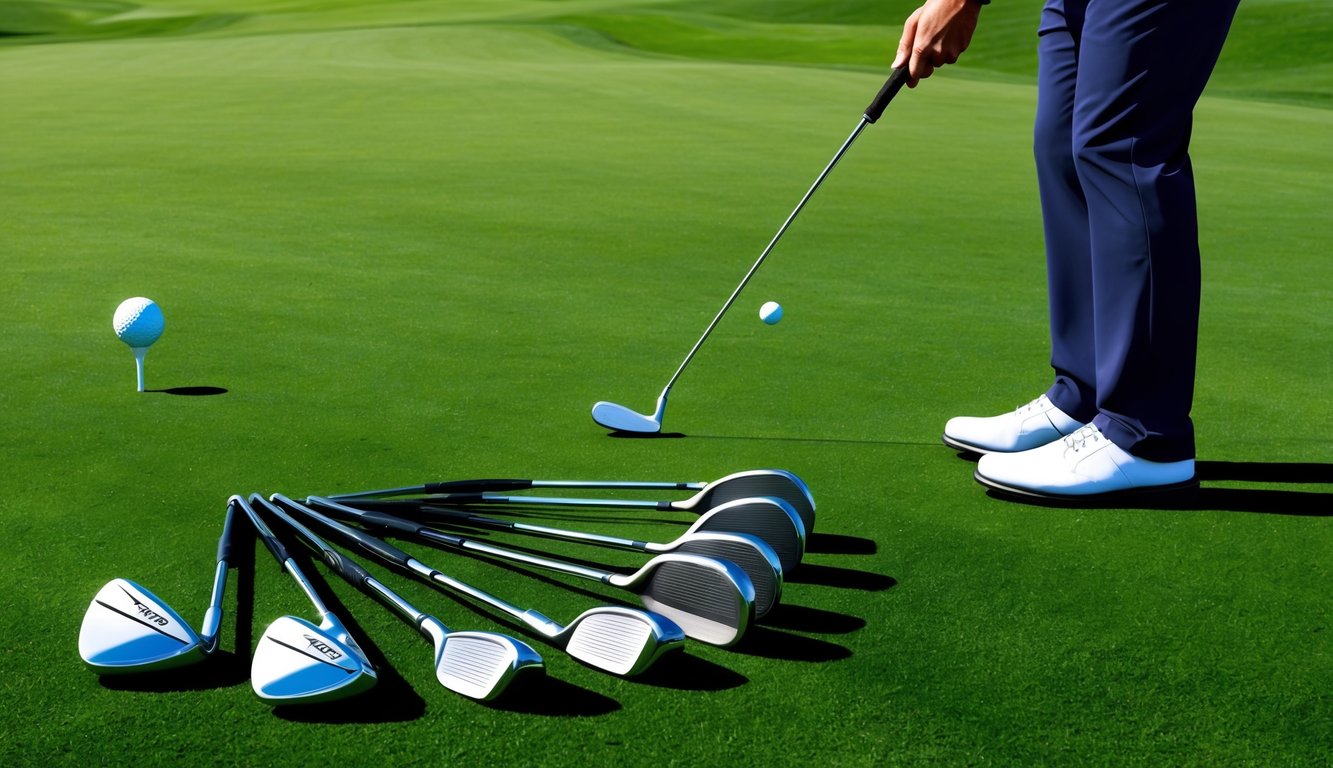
771 312
138 322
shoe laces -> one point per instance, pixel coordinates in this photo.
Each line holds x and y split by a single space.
1034 405
1080 439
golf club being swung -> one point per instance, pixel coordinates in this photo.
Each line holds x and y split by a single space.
619 418
128 629
479 665
712 600
297 662
614 639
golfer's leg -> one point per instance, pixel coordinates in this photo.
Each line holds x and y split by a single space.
1064 212
1142 66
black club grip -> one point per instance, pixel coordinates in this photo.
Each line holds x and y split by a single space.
897 79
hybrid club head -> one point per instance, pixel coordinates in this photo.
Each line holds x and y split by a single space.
479 665
297 662
711 600
614 639
128 629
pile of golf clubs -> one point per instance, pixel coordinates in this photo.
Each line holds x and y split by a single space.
710 583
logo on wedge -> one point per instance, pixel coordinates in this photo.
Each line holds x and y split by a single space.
329 651
146 612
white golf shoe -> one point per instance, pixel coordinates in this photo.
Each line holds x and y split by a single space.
1083 465
1026 427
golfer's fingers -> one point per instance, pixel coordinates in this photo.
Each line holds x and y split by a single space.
907 48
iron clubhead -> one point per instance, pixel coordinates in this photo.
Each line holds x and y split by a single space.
622 641
297 662
128 629
479 665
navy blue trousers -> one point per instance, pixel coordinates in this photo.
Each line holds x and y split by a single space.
1117 85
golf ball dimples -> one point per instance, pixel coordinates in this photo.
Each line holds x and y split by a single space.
771 312
138 322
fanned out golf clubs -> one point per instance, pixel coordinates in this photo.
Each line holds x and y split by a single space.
479 665
129 629
621 641
712 600
709 584
754 483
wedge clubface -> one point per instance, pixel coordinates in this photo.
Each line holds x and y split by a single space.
296 661
712 600
129 629
753 483
619 418
751 553
479 665
621 641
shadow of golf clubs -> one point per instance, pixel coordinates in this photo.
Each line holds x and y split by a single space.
552 697
844 578
769 643
190 391
839 544
221 670
685 672
620 435
803 618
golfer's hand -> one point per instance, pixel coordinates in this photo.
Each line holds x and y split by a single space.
936 34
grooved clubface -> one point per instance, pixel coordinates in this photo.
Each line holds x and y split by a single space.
297 662
481 665
773 483
753 556
711 601
771 520
622 419
621 641
127 629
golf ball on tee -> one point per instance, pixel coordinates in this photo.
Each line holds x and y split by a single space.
138 322
771 312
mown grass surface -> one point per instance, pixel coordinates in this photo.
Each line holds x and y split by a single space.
416 241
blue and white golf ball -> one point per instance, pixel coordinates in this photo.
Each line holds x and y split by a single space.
771 312
138 322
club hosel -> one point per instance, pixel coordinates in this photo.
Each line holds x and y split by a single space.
660 410
213 616
541 623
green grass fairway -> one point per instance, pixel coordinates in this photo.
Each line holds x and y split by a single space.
412 241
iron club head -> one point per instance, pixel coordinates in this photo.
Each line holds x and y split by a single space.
297 662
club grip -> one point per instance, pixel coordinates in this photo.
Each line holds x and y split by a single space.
224 541
367 516
897 79
366 542
460 486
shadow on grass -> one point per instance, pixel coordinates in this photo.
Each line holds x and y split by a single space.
190 391
770 643
803 618
619 435
221 670
845 578
549 696
840 544
682 672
